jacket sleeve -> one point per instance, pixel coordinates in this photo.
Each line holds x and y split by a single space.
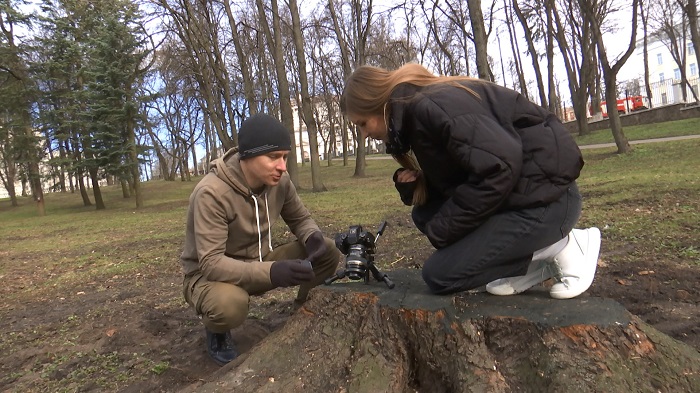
405 189
296 215
491 156
211 234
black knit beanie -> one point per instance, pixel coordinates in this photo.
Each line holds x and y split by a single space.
260 134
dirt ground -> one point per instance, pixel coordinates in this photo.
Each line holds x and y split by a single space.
129 335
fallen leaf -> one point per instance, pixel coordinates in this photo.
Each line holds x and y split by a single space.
645 272
623 282
110 332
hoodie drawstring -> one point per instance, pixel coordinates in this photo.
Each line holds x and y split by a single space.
269 229
257 221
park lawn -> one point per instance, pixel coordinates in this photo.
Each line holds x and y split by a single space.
644 131
67 273
651 189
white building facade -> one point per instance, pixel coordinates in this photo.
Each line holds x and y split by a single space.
322 138
664 73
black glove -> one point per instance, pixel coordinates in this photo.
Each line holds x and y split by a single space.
405 189
290 272
315 246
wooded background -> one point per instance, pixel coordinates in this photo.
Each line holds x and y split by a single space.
101 89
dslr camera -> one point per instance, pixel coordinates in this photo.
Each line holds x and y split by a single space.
359 247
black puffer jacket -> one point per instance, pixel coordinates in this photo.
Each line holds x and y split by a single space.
481 154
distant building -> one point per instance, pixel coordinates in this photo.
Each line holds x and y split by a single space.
664 73
323 124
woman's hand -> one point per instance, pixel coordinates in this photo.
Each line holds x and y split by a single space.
407 176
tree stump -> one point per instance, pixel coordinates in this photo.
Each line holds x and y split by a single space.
352 337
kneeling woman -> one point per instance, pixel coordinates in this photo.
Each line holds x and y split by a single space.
491 177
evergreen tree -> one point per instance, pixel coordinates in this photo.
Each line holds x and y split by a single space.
116 53
91 68
19 88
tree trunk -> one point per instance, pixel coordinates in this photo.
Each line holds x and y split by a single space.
517 60
533 53
691 9
351 337
480 39
9 183
134 162
248 84
610 71
10 177
360 163
645 51
35 184
96 191
306 102
274 42
80 179
577 74
126 193
552 93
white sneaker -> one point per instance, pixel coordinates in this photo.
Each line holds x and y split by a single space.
537 271
574 267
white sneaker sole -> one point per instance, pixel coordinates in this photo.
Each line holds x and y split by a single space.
515 285
570 287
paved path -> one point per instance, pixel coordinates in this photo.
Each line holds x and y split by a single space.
582 147
671 138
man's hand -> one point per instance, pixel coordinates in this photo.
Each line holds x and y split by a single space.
315 246
291 272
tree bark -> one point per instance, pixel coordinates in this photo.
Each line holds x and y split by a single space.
517 60
691 9
549 25
351 337
533 53
306 104
610 71
476 16
96 191
578 75
645 42
274 42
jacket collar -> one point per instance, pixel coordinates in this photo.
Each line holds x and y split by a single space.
397 137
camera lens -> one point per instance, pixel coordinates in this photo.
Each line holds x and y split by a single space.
356 262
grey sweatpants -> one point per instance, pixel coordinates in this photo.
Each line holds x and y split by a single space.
500 247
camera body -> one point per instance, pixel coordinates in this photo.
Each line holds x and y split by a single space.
358 246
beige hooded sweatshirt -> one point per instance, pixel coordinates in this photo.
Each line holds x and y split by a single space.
228 227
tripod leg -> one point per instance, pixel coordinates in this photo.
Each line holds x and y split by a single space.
379 276
338 275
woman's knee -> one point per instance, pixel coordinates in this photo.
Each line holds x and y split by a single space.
433 278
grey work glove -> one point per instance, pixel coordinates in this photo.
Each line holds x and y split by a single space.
315 246
291 272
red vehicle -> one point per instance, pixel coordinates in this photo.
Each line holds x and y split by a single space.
626 105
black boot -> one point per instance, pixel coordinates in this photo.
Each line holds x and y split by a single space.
220 347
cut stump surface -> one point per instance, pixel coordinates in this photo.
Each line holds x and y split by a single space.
352 337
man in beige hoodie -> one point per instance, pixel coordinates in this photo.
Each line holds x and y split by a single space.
228 252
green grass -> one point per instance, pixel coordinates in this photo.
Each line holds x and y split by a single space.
123 240
647 198
74 243
645 131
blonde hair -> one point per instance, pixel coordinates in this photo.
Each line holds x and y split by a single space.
367 92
